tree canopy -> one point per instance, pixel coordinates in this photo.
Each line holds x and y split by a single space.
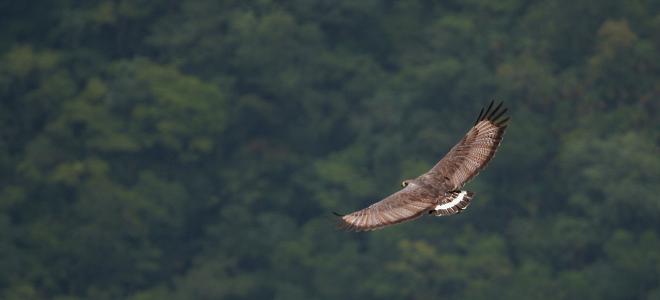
195 149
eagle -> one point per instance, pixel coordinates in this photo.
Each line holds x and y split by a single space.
438 191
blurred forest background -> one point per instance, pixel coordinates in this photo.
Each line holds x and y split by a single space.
195 149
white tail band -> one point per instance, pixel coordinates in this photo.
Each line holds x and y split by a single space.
452 203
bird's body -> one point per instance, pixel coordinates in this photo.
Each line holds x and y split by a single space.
438 191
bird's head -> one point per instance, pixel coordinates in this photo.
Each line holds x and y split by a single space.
405 183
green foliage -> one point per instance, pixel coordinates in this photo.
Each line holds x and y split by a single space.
195 149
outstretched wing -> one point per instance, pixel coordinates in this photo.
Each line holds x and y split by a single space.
474 151
406 204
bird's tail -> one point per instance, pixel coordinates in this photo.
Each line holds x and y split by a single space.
453 204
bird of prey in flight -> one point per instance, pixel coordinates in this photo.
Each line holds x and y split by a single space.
438 191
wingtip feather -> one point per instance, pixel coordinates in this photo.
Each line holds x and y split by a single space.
479 117
503 122
488 109
495 110
499 115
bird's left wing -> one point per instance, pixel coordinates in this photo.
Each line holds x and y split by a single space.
406 204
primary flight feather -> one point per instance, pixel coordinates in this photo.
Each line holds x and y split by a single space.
438 191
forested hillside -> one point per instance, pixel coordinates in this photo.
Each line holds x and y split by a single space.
195 149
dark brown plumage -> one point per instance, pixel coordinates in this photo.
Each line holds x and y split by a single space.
437 191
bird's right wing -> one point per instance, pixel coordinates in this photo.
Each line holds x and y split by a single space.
406 204
474 151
